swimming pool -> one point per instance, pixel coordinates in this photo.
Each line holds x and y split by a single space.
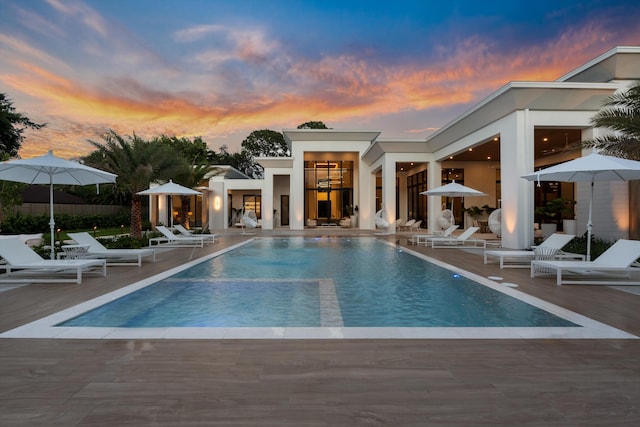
316 288
278 283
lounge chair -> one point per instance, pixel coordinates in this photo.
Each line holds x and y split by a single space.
170 239
210 238
416 225
615 266
32 240
22 261
407 225
417 239
522 259
463 239
113 256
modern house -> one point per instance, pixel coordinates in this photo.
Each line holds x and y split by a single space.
520 127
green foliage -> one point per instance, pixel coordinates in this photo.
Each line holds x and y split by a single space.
266 143
27 224
10 196
557 209
137 163
621 113
579 246
12 126
313 125
124 242
195 151
474 211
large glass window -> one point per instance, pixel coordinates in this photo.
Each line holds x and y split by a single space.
328 190
417 204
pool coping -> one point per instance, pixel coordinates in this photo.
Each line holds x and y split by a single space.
590 329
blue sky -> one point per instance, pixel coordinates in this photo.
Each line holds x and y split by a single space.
221 69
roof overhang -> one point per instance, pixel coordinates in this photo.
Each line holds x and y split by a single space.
382 146
226 172
275 162
619 63
329 135
549 96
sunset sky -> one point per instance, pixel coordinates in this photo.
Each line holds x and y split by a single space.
222 69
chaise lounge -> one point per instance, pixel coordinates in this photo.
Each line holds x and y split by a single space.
170 239
463 239
616 266
208 238
113 256
522 259
23 264
417 239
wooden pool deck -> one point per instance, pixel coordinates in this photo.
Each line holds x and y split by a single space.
550 382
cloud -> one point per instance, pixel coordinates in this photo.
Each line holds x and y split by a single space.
197 32
83 13
223 81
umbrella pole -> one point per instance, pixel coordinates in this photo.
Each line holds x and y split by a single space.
52 223
589 223
453 217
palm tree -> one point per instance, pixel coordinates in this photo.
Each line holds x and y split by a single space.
137 163
191 178
621 113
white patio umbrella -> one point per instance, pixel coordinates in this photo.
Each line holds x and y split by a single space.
169 189
49 169
453 189
590 168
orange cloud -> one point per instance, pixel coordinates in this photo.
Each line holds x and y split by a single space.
266 92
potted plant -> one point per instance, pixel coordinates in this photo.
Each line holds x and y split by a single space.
474 211
552 212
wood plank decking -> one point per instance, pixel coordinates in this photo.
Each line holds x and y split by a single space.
320 382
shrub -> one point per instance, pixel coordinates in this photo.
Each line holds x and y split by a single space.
23 224
122 242
579 246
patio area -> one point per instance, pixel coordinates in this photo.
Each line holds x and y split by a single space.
320 382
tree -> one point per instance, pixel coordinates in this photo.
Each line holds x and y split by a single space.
12 125
621 113
313 125
10 197
195 151
137 163
261 143
266 143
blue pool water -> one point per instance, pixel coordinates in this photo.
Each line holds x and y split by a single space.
292 282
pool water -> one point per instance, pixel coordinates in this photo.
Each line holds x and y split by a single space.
291 282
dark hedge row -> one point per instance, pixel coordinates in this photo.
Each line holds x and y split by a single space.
27 224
